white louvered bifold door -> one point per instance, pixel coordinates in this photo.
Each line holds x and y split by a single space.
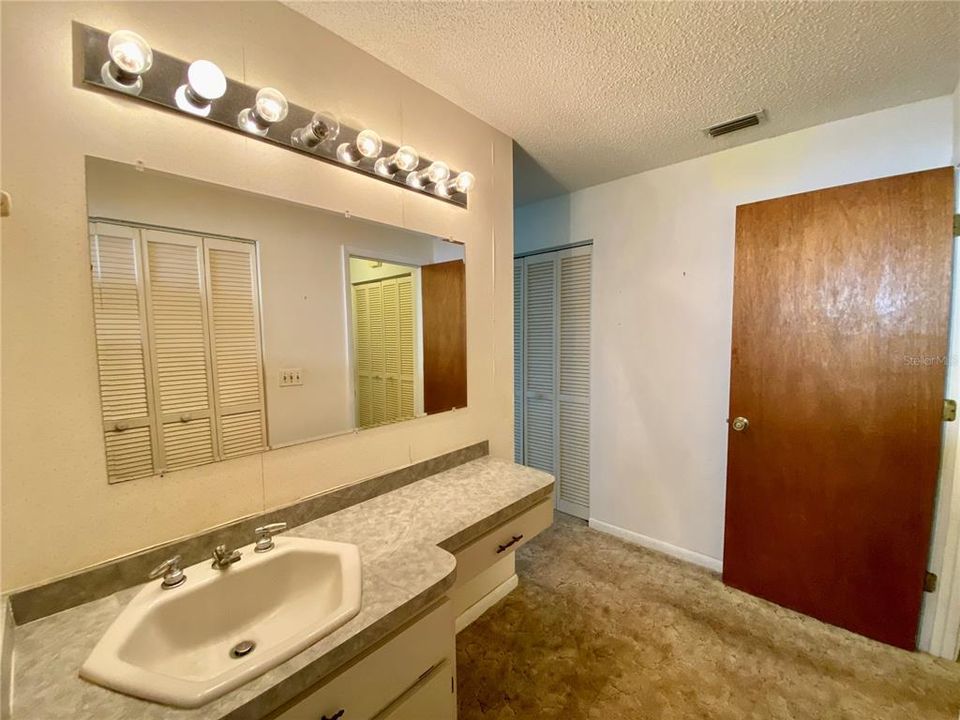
122 351
378 399
361 352
540 314
573 396
518 360
407 338
178 321
384 336
234 310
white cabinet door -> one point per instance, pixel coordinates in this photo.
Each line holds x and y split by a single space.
432 698
381 680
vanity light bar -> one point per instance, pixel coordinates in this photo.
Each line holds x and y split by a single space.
124 62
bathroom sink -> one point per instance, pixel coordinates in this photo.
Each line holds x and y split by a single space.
187 645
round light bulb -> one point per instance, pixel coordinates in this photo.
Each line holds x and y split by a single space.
323 127
205 83
464 182
130 52
345 154
406 158
271 105
206 80
437 172
369 143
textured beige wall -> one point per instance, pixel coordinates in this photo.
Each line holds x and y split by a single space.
58 512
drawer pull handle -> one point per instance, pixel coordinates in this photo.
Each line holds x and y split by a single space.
516 539
336 716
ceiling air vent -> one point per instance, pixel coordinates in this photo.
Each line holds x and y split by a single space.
729 126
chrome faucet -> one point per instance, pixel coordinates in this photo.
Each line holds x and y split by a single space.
170 571
265 535
223 558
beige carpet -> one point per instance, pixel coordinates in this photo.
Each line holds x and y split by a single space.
602 629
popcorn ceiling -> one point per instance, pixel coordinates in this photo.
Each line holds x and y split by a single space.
597 91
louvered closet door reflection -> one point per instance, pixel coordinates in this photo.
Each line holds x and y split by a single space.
384 327
178 318
573 397
122 356
378 398
361 340
407 338
518 360
235 340
391 350
539 301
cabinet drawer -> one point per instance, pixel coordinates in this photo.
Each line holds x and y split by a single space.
370 684
476 557
432 698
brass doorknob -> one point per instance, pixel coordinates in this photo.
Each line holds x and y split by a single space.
740 424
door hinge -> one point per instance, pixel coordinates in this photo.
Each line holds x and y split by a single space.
949 410
956 225
930 583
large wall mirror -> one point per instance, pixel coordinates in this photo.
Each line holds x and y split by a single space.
228 323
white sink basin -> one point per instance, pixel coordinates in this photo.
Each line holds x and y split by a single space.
174 646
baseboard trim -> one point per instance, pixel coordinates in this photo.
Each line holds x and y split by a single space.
659 545
486 602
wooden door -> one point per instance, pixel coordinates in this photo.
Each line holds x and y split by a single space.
840 314
443 291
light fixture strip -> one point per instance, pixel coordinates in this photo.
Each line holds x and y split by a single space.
168 78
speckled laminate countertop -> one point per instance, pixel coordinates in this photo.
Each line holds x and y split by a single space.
405 539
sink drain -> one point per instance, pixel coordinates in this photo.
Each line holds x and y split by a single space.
242 648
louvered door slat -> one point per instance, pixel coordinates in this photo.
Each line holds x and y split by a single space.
384 326
235 339
361 339
121 337
188 443
518 360
391 349
377 384
539 363
242 433
177 322
539 434
552 296
573 357
129 454
574 472
407 346
180 352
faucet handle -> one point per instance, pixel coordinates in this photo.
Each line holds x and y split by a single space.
172 574
265 536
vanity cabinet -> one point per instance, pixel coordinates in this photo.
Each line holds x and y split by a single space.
486 569
410 675
502 541
429 698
